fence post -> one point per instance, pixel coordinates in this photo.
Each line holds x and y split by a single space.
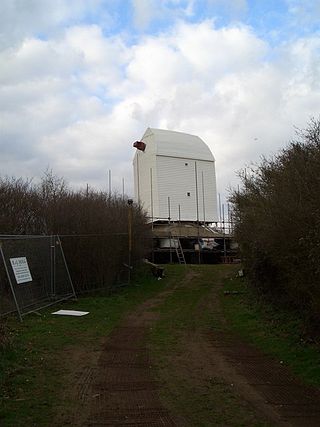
130 202
66 265
52 266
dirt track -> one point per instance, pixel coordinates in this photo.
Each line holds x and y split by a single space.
123 389
118 386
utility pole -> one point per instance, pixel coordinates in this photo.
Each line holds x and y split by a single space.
130 203
109 182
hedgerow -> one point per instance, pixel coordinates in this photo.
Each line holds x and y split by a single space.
277 224
93 226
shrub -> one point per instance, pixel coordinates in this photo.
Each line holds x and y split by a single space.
93 226
277 224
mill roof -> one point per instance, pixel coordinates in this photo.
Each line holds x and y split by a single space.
177 144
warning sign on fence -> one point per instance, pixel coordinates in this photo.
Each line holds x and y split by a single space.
21 270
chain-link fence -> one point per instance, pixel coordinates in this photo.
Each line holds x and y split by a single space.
33 273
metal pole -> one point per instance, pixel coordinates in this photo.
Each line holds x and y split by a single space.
10 283
109 182
138 178
179 210
224 235
197 202
122 188
203 202
129 239
66 265
169 217
196 182
151 196
231 221
52 263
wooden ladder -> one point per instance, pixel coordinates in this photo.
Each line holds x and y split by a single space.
179 250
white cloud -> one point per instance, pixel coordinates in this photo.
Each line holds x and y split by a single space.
78 100
22 19
219 85
144 12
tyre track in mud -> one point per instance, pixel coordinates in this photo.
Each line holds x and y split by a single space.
265 383
119 388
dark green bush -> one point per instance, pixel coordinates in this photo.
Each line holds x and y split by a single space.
277 224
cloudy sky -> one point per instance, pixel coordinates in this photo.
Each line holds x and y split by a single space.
81 80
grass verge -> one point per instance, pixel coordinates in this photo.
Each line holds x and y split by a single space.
34 366
277 333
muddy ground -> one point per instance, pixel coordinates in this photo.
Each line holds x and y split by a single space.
121 382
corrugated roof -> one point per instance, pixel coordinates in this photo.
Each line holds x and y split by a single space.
177 144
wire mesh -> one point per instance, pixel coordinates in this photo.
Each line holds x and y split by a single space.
101 262
49 279
95 262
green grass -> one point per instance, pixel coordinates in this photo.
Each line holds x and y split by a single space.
276 332
176 311
183 314
33 367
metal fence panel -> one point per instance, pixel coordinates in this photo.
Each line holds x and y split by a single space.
96 262
50 281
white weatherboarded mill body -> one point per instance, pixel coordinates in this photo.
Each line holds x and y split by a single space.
174 177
